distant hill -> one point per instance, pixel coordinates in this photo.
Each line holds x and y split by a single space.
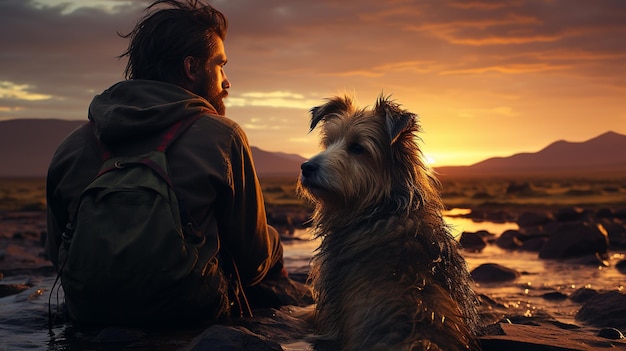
276 163
601 155
27 146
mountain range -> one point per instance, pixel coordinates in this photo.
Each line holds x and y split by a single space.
27 146
602 155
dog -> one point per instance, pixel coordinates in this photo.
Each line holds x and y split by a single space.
388 275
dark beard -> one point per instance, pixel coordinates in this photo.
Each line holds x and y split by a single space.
215 96
216 99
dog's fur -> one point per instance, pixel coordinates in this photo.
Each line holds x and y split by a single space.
388 275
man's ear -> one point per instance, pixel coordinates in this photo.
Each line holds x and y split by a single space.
190 65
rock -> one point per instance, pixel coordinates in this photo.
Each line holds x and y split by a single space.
554 296
583 294
472 242
509 240
606 309
519 189
605 212
227 338
489 215
493 273
610 333
118 335
279 292
533 244
572 240
620 213
285 325
12 289
616 230
544 337
621 266
532 219
482 195
568 214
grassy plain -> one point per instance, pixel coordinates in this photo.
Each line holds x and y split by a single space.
28 194
548 192
22 194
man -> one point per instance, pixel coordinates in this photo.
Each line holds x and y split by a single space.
175 70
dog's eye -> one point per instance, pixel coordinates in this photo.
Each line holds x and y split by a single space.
356 149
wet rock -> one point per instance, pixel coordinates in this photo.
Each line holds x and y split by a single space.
572 240
544 337
568 214
533 244
285 325
519 189
610 333
620 213
616 230
493 273
279 292
606 309
621 266
118 335
489 215
12 289
554 296
583 294
605 212
509 240
227 338
472 242
532 219
482 195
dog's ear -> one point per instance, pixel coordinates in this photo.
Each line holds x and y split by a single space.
396 119
334 106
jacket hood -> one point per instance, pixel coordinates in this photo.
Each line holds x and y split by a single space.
133 109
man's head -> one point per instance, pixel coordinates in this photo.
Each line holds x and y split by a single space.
182 44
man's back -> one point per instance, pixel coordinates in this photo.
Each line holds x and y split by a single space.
210 166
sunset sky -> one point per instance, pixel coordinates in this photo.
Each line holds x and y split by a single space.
487 77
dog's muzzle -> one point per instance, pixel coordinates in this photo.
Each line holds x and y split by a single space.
309 169
310 174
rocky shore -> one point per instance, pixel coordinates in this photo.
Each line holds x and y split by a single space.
590 236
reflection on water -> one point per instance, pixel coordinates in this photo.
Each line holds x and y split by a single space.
459 224
523 296
302 248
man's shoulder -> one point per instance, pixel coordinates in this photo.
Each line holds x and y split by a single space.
218 127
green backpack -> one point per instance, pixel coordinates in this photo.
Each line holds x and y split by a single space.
127 258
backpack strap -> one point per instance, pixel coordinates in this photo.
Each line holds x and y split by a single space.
176 130
172 133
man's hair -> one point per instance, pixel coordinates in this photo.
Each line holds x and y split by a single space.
163 38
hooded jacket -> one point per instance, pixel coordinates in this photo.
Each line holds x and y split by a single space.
210 165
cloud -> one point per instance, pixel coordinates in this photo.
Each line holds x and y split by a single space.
277 99
446 58
10 90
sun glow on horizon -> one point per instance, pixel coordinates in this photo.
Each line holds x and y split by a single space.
430 160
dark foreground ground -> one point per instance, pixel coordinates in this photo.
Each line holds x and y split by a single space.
563 211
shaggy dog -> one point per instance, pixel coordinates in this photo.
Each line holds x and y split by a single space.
388 275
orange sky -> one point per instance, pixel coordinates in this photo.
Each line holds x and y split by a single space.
488 78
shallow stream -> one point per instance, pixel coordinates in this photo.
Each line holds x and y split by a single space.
24 317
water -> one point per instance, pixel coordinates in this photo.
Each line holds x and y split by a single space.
523 296
24 317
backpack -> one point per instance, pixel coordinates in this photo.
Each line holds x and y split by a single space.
126 255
